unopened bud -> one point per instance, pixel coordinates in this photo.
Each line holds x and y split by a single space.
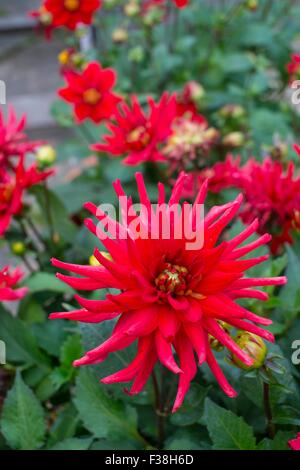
18 248
253 346
131 8
252 5
214 343
234 139
46 155
136 54
120 35
94 262
193 91
234 111
279 151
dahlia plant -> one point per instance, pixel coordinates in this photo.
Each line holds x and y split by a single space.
182 287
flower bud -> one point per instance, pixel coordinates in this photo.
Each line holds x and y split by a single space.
234 111
45 155
234 139
214 343
279 151
94 262
18 248
132 8
252 5
120 35
193 91
136 54
253 346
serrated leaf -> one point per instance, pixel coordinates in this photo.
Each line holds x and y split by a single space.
23 423
102 415
227 430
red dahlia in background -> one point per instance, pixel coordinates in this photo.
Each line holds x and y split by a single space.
181 3
272 194
13 183
138 135
90 92
8 280
70 13
293 67
172 296
13 140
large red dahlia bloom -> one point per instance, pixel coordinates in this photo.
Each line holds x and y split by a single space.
173 295
90 92
13 141
71 13
8 280
12 187
137 135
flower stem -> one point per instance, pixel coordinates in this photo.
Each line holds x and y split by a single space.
159 409
49 212
268 410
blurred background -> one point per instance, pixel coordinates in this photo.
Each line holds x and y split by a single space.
28 66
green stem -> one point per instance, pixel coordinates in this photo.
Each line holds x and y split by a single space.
268 410
159 409
49 212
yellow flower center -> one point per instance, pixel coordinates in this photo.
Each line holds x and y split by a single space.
91 96
72 5
172 279
139 135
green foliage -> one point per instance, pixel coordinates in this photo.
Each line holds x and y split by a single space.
23 422
227 431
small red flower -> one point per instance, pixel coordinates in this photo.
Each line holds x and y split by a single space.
273 196
139 135
181 3
8 280
71 13
44 20
12 187
295 443
293 67
13 140
173 297
90 92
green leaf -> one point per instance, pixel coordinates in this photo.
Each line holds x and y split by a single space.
64 426
280 441
102 415
40 282
73 443
23 424
227 430
21 346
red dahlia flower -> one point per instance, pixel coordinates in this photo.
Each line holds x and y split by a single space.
293 67
13 141
181 3
90 92
8 281
295 443
173 296
12 186
71 13
137 135
273 196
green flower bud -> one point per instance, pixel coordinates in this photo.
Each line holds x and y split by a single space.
136 54
253 346
18 248
234 139
45 155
